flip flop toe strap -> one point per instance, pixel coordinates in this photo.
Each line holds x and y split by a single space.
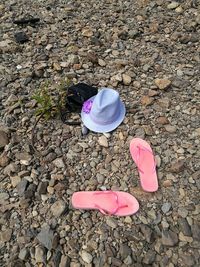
115 210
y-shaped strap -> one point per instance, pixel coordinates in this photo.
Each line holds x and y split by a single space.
138 158
107 212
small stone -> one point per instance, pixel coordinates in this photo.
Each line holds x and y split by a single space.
167 183
196 232
184 238
24 158
124 250
15 180
21 187
179 9
101 62
128 219
40 255
147 232
46 237
182 212
21 37
56 66
4 140
162 83
73 59
23 254
146 100
128 261
58 208
100 178
166 207
4 160
170 128
103 141
149 258
6 235
187 260
158 161
169 238
162 120
111 222
4 196
84 130
153 93
65 261
126 79
92 57
86 257
9 169
184 227
59 163
177 166
173 5
87 32
42 188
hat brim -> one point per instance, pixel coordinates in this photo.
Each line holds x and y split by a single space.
91 125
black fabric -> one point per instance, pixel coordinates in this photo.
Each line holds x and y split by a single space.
77 95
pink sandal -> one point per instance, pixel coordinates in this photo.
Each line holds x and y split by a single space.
143 157
107 202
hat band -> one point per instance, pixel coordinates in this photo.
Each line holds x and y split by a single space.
105 122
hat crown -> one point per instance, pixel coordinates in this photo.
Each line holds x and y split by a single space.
106 106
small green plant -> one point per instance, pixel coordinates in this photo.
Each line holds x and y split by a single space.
51 102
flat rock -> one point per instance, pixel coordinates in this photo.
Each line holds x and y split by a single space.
65 261
149 257
101 62
146 100
22 186
103 141
6 235
15 180
162 83
23 254
170 128
3 196
86 257
162 120
173 5
46 237
87 32
147 232
169 238
4 160
40 255
166 207
58 208
124 250
59 163
111 222
42 187
4 139
184 227
196 232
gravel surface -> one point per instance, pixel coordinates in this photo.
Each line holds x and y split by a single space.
149 52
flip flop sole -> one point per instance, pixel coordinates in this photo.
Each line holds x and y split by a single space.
95 199
148 179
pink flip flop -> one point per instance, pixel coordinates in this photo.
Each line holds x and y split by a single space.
107 202
143 157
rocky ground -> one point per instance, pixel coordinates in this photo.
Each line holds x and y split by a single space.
149 52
